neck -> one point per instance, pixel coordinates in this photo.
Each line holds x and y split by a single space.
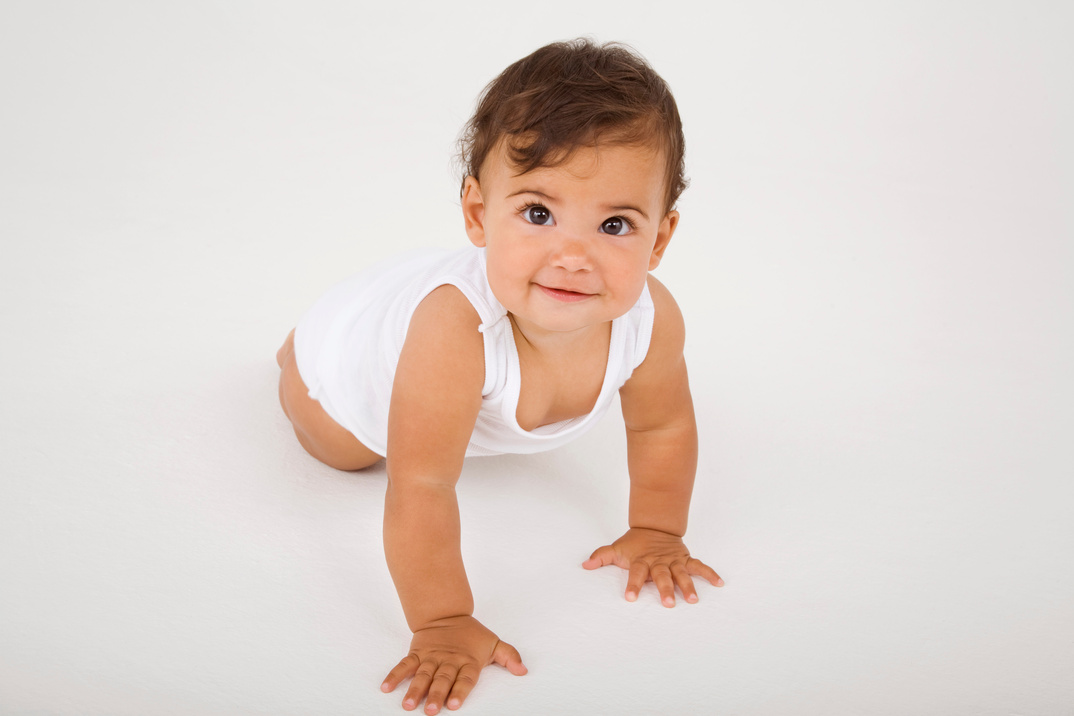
539 341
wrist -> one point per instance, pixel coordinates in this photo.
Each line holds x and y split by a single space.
669 528
444 621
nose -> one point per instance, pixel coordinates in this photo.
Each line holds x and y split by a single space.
572 253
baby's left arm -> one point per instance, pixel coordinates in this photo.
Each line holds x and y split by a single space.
662 459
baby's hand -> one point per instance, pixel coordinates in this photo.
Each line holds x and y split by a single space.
657 556
446 659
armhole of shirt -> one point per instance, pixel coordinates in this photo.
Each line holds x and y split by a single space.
485 313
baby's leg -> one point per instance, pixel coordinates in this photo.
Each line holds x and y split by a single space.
322 437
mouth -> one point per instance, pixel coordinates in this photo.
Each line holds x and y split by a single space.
562 294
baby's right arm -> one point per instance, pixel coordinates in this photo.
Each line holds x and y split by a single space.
435 400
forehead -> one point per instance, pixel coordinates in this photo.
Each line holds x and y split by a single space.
637 169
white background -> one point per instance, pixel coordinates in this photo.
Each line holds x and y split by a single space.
874 262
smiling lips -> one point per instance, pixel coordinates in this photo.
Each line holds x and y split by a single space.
561 294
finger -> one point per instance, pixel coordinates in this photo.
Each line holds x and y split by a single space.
402 670
603 556
664 584
419 685
685 582
508 657
700 569
443 680
639 572
464 684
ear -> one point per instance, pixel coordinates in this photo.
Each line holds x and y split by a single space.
473 211
663 238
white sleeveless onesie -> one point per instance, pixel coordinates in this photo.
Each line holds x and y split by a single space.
348 344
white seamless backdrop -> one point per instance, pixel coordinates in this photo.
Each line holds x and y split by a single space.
874 262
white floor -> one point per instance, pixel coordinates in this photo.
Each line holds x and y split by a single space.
875 262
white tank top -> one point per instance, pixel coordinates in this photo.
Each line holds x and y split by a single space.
347 347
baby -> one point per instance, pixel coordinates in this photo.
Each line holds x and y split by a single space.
574 162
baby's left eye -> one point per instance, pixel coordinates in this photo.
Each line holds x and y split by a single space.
617 226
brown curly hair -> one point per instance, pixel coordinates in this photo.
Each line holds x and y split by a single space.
572 94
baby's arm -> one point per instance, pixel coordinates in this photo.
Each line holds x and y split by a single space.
435 401
662 458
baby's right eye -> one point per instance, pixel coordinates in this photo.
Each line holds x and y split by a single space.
537 214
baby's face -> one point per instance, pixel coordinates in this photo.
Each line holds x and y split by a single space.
570 246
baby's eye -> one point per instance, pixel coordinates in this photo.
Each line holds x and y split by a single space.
537 214
616 226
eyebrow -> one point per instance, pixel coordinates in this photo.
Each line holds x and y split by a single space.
549 197
628 207
541 194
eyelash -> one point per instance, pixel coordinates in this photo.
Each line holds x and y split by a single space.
532 204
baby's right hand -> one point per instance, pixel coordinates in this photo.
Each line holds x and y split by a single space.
446 659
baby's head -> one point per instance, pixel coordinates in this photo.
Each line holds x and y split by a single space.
569 95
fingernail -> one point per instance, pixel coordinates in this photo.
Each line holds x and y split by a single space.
669 601
692 599
385 687
719 582
453 703
631 596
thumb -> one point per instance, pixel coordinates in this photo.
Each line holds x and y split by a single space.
601 557
508 657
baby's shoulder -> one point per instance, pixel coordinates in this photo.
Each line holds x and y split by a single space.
669 329
447 309
443 352
662 371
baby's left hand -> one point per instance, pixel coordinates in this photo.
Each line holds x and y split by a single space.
656 556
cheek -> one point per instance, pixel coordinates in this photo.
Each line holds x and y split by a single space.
629 280
632 267
637 285
510 258
503 274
